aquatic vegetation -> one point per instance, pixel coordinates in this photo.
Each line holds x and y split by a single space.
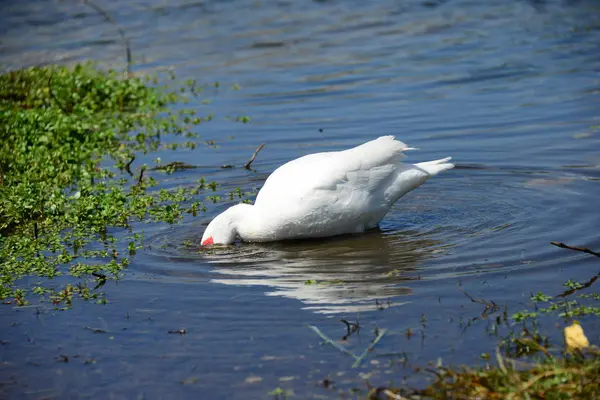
583 304
552 378
68 189
528 364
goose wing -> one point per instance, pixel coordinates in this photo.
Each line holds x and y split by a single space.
348 177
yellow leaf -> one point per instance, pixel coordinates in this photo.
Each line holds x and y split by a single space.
575 337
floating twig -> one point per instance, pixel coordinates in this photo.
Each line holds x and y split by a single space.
249 163
331 342
357 359
110 19
490 306
582 249
368 349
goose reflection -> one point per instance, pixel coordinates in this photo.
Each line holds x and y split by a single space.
342 274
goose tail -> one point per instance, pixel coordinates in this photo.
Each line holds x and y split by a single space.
436 166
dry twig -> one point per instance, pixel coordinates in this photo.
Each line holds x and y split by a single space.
110 19
490 306
128 165
357 359
368 349
331 342
249 163
582 249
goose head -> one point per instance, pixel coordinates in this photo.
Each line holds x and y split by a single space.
223 229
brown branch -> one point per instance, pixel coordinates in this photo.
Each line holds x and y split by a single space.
582 249
110 19
249 163
584 286
128 165
490 306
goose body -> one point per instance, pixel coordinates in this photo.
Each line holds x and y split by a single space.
326 194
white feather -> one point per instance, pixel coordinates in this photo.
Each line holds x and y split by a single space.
326 194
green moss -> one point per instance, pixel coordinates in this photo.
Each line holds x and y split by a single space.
68 140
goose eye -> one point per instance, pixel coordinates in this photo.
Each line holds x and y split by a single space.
208 241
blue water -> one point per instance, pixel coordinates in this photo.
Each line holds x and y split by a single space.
510 90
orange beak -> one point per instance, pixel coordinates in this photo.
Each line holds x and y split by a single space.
208 241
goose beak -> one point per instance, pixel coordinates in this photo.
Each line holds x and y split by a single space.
208 241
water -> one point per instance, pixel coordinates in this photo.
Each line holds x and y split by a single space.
509 89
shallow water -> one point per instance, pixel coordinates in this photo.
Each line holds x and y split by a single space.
509 89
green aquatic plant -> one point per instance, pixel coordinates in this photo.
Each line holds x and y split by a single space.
581 304
70 199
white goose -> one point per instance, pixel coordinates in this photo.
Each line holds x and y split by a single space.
326 194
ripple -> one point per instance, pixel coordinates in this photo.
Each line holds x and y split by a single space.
471 222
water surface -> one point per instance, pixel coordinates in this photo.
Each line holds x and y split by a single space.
509 89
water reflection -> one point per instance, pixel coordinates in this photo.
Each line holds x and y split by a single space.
348 273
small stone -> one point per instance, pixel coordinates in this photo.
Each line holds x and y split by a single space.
253 379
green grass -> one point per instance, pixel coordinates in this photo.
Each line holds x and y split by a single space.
69 185
569 377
